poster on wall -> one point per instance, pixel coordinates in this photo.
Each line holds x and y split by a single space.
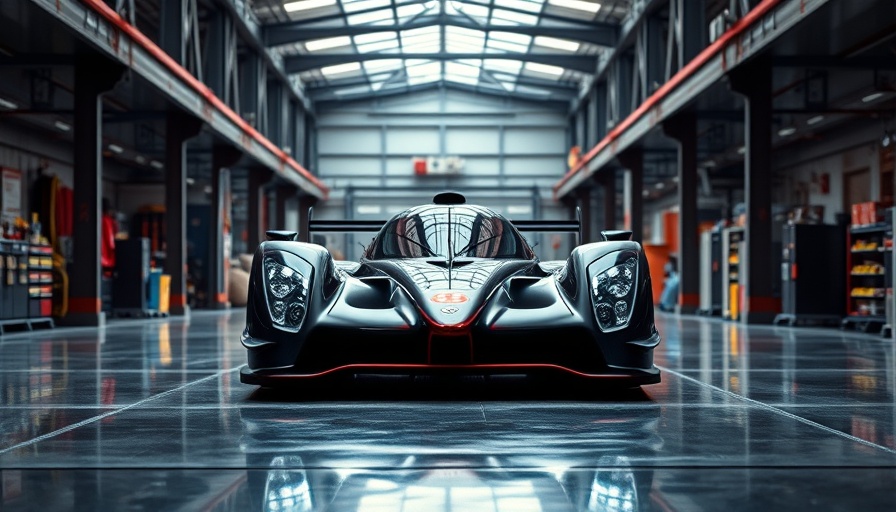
11 200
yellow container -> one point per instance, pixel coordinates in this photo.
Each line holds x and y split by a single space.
164 292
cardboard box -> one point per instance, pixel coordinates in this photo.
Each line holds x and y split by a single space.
856 217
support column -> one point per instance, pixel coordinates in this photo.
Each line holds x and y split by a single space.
223 157
179 129
683 128
93 77
633 161
608 183
584 200
282 194
258 178
756 264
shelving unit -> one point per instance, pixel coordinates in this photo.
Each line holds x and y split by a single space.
867 276
40 284
732 247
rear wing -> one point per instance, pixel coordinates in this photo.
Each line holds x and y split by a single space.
357 226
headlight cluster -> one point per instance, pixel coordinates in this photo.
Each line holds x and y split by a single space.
287 293
613 292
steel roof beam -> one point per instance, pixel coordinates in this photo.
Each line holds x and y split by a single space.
287 33
299 63
559 87
447 85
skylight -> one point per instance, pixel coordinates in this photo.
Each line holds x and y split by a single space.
369 17
558 44
340 69
305 5
330 42
523 5
502 17
544 68
361 5
577 4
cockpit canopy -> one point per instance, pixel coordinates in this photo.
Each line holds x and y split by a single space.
448 232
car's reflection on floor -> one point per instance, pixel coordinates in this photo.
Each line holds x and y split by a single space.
327 461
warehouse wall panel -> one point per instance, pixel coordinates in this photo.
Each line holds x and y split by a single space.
349 141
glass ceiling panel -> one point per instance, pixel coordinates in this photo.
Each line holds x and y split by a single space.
457 31
361 5
523 5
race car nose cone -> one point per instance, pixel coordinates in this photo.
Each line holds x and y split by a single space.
449 307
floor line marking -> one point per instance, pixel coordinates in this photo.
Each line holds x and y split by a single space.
782 412
88 421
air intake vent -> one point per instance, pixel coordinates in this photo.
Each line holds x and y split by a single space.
449 198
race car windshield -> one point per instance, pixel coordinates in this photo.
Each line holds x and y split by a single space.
449 233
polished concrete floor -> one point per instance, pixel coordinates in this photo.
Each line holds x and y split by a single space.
150 415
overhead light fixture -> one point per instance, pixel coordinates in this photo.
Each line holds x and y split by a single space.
741 150
190 181
872 97
115 148
660 185
62 126
304 5
814 120
140 159
787 131
886 140
156 164
577 4
8 104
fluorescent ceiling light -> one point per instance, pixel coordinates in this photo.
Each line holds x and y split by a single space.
544 68
115 148
304 5
741 150
8 104
576 4
871 97
140 159
559 44
787 131
330 42
814 120
156 164
63 126
190 181
660 185
339 69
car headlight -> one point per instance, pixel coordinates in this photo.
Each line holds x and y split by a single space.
286 289
613 291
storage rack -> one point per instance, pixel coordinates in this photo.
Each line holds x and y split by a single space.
867 270
40 283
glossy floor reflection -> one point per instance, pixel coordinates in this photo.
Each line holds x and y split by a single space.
150 415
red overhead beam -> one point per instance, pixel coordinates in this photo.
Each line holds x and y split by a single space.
717 47
179 71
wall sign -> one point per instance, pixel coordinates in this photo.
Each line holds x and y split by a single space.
11 200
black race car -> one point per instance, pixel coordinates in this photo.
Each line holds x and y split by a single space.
452 288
